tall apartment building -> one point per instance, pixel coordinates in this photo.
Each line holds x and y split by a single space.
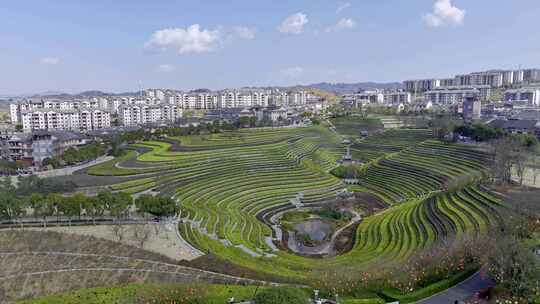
70 119
141 114
451 96
370 97
396 98
235 99
492 78
422 85
531 75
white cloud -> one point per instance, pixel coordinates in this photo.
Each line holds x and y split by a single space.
294 24
50 60
185 41
292 72
245 32
165 68
343 24
444 13
343 6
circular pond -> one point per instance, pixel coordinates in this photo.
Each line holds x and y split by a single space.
316 229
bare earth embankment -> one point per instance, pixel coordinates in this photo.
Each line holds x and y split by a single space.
36 263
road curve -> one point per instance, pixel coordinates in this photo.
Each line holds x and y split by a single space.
462 291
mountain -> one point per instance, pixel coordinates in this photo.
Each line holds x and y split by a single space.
348 88
85 94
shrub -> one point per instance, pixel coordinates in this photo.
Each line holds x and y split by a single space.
346 171
281 295
515 268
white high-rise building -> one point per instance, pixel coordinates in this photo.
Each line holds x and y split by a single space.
141 114
396 98
65 119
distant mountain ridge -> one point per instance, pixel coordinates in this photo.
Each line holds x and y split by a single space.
349 88
336 88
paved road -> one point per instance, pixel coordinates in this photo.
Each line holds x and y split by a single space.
463 291
71 170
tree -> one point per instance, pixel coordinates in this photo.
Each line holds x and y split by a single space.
35 201
156 205
244 122
11 208
54 201
515 267
116 146
72 206
442 125
501 166
118 229
141 233
93 207
45 207
511 152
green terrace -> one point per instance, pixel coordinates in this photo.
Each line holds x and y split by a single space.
232 183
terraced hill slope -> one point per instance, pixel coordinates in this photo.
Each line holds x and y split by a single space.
229 184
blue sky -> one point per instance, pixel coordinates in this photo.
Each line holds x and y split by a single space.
76 45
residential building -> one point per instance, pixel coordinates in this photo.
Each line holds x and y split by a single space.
15 146
530 95
491 78
370 97
451 96
143 114
531 75
422 85
33 148
472 108
517 126
396 98
82 119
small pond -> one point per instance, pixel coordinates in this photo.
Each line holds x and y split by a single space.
317 230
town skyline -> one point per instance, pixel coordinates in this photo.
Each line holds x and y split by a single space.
120 47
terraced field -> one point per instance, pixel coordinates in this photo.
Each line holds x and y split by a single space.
230 185
393 140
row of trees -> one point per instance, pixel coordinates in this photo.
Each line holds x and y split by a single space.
73 156
10 167
203 128
14 207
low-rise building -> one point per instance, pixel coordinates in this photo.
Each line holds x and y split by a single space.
517 126
472 108
33 148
